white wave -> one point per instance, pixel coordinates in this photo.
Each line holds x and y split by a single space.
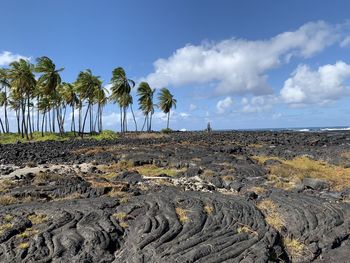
336 129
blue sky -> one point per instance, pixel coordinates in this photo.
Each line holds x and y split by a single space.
237 64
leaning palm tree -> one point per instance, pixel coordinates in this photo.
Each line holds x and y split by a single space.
49 80
23 83
166 102
121 86
86 86
145 93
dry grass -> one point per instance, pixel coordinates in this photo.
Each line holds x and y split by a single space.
7 200
262 159
23 245
151 135
29 232
294 247
272 215
208 209
227 177
246 229
153 171
43 178
5 227
67 197
303 167
181 214
208 173
116 192
256 145
162 181
6 184
257 189
121 217
345 154
38 218
8 218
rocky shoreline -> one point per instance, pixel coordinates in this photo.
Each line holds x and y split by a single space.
180 197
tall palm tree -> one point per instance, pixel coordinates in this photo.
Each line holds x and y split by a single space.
101 100
71 99
49 80
121 86
23 83
145 93
5 85
86 85
166 102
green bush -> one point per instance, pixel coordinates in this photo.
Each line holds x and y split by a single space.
167 130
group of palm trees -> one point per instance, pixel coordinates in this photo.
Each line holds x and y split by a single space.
38 89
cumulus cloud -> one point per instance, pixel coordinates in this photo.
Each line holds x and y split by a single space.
7 57
321 86
224 105
258 103
238 66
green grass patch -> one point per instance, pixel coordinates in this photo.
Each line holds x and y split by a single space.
50 136
151 170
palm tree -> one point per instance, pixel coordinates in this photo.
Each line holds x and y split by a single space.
145 93
86 85
101 99
48 82
166 102
71 99
121 86
23 83
4 85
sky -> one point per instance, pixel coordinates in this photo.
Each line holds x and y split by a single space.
236 64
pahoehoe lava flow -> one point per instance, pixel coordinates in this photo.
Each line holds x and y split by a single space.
179 197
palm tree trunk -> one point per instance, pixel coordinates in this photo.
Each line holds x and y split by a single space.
33 122
18 121
87 111
121 119
53 119
7 124
133 115
42 124
79 116
50 126
167 125
150 122
28 117
125 120
38 114
73 120
2 126
144 123
24 125
101 116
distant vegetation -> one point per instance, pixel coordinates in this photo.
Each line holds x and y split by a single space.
40 100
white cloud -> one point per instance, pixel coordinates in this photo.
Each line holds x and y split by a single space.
193 107
224 104
237 66
345 42
7 57
307 86
258 103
